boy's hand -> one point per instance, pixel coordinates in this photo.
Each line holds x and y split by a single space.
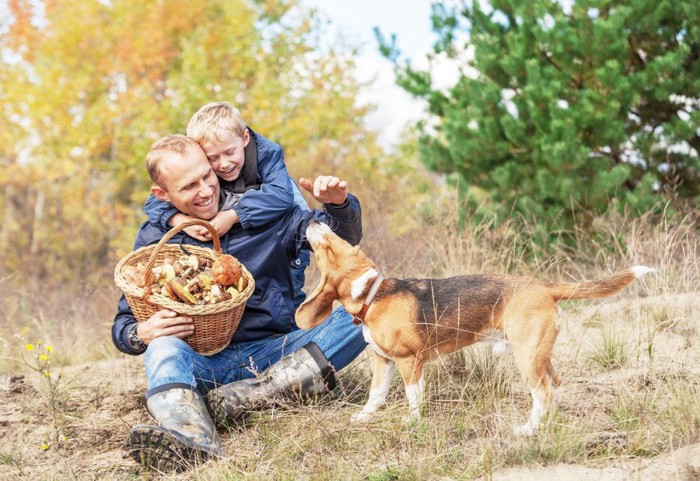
223 221
326 189
196 231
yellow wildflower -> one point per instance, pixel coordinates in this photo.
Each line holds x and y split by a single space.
29 347
39 342
49 348
44 357
45 447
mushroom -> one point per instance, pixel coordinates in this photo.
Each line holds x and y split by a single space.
241 283
206 278
195 285
167 291
164 273
178 287
216 293
226 269
191 261
135 274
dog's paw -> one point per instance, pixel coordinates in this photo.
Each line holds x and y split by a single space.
526 429
499 348
361 417
411 419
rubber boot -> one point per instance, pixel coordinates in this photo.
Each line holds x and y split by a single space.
185 434
302 374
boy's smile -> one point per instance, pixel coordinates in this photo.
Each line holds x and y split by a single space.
226 154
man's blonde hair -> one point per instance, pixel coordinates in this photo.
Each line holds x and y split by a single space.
214 120
174 143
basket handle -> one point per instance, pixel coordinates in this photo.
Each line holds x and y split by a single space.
148 277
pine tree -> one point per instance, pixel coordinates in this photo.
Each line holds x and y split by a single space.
564 111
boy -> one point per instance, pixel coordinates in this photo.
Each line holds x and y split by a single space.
255 185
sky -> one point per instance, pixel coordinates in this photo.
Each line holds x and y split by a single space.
410 21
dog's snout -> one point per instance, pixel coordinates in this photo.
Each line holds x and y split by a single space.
316 231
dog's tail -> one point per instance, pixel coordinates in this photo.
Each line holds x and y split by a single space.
596 289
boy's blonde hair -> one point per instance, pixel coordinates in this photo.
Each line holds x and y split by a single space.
174 143
214 120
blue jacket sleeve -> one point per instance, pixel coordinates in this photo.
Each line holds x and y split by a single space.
159 212
148 234
276 195
345 220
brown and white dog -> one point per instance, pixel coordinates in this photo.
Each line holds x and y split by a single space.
411 321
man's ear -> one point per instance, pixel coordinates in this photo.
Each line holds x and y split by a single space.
159 193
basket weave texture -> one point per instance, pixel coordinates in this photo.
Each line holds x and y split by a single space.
214 324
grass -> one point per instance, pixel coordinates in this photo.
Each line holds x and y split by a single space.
611 350
630 384
7 458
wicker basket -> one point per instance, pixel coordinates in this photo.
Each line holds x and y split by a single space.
214 324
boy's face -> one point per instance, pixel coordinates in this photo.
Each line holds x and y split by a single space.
226 155
188 182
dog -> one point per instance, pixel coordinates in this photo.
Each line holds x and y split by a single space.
408 322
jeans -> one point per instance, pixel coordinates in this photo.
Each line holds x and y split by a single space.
171 360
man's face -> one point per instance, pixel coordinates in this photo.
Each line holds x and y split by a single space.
226 155
188 182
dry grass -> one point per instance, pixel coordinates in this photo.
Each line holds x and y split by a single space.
608 408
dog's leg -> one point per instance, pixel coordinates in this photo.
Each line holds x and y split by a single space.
533 356
411 370
383 370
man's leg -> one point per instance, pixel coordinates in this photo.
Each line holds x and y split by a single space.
185 433
300 363
339 339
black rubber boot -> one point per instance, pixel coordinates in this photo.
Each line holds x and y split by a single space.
185 434
303 373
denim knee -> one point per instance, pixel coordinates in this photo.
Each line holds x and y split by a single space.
169 360
340 339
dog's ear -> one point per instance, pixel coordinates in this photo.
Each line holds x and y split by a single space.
318 306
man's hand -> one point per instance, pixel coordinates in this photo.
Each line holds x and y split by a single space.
326 189
164 323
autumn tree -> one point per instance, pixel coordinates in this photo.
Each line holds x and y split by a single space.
561 112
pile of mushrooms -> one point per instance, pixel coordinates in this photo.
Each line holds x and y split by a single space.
192 279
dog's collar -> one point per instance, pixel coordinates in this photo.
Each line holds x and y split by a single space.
360 317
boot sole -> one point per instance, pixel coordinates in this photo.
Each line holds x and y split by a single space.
162 449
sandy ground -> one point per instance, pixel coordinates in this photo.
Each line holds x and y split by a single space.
105 399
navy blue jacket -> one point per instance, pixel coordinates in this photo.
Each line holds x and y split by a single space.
266 252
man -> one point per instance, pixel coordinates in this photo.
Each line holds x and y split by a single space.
267 339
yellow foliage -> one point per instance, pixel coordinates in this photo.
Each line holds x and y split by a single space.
92 84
